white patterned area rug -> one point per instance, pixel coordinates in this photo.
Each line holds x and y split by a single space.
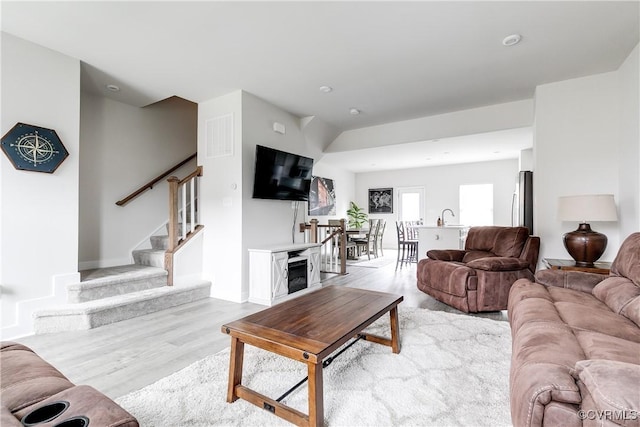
452 370
363 261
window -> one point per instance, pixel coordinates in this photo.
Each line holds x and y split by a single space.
476 204
411 206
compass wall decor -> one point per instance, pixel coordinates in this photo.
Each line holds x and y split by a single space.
34 148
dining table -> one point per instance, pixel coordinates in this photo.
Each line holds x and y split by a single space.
352 235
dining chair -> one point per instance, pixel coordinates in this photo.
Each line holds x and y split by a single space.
334 224
377 244
412 237
368 242
407 245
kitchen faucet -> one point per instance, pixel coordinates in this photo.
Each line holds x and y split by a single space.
442 215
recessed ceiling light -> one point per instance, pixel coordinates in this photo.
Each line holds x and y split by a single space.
325 89
511 40
113 88
354 111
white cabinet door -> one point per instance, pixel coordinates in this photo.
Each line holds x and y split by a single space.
440 238
313 266
280 274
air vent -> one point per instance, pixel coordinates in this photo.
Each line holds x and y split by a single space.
220 136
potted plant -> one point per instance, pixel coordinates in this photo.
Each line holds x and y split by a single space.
357 216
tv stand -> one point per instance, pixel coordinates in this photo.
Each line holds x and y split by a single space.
277 273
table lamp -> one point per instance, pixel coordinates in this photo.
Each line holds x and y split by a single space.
585 245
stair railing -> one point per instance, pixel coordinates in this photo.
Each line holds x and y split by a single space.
184 215
333 238
149 185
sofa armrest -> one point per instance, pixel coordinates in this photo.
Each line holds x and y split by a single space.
530 252
498 263
446 254
7 419
576 280
609 388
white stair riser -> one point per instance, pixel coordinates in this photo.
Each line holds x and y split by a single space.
76 320
159 242
154 258
78 294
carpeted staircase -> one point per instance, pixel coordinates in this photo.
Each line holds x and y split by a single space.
109 295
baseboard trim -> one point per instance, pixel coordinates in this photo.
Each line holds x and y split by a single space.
24 324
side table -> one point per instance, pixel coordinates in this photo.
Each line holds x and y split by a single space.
600 267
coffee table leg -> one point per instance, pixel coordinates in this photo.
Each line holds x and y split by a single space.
395 330
316 402
235 368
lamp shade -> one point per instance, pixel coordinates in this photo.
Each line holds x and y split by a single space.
587 208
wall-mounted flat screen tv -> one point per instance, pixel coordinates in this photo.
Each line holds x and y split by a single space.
281 175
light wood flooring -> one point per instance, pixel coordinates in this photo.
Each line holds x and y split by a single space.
126 356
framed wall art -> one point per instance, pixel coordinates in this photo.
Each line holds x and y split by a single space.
381 200
33 148
322 197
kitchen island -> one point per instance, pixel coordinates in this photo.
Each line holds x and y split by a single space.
444 237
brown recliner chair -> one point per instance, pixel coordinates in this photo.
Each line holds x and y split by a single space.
479 277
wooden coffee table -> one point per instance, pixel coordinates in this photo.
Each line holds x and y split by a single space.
308 329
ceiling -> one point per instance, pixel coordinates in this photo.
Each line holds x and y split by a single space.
390 60
499 145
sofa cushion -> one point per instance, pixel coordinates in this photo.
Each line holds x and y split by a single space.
632 311
613 391
498 264
621 295
604 321
577 297
530 302
502 241
473 255
600 346
627 262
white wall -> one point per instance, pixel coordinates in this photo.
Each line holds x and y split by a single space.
269 222
124 147
344 184
222 201
442 185
39 211
629 194
576 151
234 221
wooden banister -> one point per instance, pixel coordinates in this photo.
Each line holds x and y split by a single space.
151 183
329 236
179 237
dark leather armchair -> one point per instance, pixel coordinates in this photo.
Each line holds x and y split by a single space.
479 277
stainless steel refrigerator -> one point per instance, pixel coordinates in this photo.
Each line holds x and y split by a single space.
522 202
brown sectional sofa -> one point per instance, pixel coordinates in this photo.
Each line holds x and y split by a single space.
35 393
576 346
